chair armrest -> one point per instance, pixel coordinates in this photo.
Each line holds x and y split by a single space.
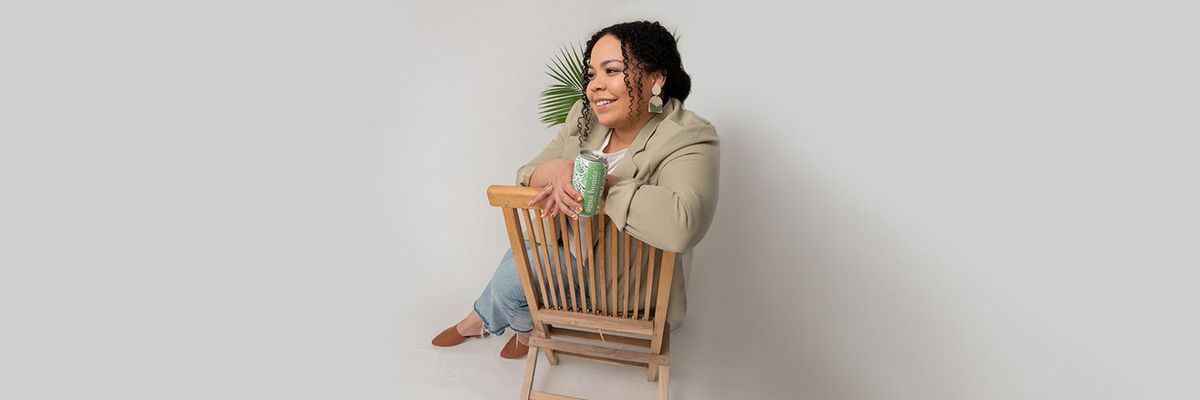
512 196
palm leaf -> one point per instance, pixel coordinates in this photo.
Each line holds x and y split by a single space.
566 68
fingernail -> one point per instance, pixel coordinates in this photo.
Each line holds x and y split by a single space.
578 209
579 198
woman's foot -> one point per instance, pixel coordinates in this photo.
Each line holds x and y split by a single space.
517 347
469 327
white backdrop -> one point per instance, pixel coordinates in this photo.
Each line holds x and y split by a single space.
923 200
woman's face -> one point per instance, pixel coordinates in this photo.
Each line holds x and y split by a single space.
607 92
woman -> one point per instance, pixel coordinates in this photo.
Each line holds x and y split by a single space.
661 185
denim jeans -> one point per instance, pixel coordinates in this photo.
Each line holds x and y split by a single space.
502 303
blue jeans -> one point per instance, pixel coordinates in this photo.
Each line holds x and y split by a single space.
502 303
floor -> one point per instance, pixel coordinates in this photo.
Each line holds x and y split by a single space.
734 343
474 370
709 361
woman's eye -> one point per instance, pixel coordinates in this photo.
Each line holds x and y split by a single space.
609 71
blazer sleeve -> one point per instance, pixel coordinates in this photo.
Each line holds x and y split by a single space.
554 149
675 213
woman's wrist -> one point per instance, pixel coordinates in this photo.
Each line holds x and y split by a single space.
546 172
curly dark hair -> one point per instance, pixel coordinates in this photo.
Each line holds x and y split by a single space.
653 49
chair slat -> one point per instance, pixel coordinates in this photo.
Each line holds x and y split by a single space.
579 266
614 277
537 262
590 335
609 361
623 274
649 282
566 265
629 275
637 280
607 324
591 258
588 349
664 286
552 248
602 266
545 250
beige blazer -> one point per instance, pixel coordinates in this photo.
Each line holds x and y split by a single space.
669 192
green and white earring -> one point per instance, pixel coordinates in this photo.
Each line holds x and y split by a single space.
655 101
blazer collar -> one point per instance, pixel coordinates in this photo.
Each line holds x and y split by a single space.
627 167
599 132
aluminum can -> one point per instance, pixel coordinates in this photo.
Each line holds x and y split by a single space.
588 179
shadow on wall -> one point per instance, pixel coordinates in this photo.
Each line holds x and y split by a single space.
797 294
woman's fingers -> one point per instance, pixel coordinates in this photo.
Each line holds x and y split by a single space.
556 205
570 190
565 184
551 204
567 211
563 204
569 204
541 195
571 198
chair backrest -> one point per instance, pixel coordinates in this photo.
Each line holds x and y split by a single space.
626 283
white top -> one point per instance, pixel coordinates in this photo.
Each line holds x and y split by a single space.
612 158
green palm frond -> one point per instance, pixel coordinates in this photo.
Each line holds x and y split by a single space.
567 71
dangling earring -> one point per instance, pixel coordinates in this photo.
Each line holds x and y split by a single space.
655 101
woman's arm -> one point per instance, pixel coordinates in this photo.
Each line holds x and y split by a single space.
557 190
547 171
552 173
675 213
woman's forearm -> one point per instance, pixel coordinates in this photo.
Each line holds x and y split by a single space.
545 172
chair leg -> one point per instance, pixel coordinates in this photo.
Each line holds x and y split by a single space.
651 372
530 365
663 382
551 357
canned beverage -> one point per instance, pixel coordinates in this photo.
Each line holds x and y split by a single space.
588 179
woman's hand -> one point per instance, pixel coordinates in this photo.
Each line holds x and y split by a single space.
559 193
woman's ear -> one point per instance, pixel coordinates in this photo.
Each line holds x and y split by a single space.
660 79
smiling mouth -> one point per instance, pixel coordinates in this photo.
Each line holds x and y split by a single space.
604 102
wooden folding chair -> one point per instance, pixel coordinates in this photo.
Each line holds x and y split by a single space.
615 318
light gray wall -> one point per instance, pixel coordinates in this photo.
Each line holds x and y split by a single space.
926 200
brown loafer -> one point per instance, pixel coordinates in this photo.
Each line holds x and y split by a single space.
514 350
450 337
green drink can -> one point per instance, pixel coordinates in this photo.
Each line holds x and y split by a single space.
588 179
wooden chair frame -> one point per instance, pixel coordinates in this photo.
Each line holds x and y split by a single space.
604 320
